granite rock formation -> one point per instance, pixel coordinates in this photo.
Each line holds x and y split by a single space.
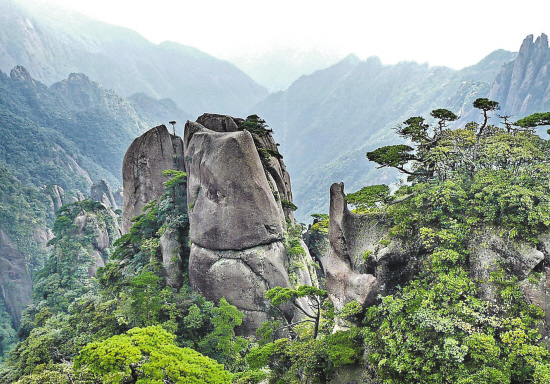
343 283
227 185
15 279
104 228
101 191
237 221
522 86
364 261
148 156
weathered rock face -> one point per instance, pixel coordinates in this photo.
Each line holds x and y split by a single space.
530 263
343 283
523 85
364 261
242 277
101 191
237 222
57 196
149 155
231 205
16 283
219 123
20 73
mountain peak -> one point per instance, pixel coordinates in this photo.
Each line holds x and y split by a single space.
542 40
21 73
528 45
522 85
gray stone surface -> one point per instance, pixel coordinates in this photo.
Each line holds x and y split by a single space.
231 205
101 191
242 277
219 123
343 283
171 260
15 281
489 252
148 156
523 85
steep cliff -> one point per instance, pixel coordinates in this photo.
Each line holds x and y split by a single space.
148 156
522 86
238 226
364 260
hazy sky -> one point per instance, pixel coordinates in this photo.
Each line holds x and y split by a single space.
455 34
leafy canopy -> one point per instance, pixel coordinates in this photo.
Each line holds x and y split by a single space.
149 355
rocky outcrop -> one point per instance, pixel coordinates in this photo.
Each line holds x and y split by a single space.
20 73
529 263
149 155
227 185
104 229
523 85
101 191
15 280
219 123
237 221
343 283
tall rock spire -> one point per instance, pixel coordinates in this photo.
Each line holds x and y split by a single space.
523 85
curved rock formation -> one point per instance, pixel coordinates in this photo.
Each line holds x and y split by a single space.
231 205
343 283
148 156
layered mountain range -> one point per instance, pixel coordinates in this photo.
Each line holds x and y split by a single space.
52 44
65 124
351 108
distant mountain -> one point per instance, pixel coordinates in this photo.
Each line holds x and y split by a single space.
54 142
72 132
523 85
327 121
52 44
279 67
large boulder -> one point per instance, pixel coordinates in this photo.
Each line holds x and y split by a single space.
242 277
148 156
237 220
231 204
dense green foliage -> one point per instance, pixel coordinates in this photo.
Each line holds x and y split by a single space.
72 311
149 355
56 135
255 124
23 212
439 329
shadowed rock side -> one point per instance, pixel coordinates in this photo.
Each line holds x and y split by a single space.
343 283
16 283
237 223
361 262
491 252
149 155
